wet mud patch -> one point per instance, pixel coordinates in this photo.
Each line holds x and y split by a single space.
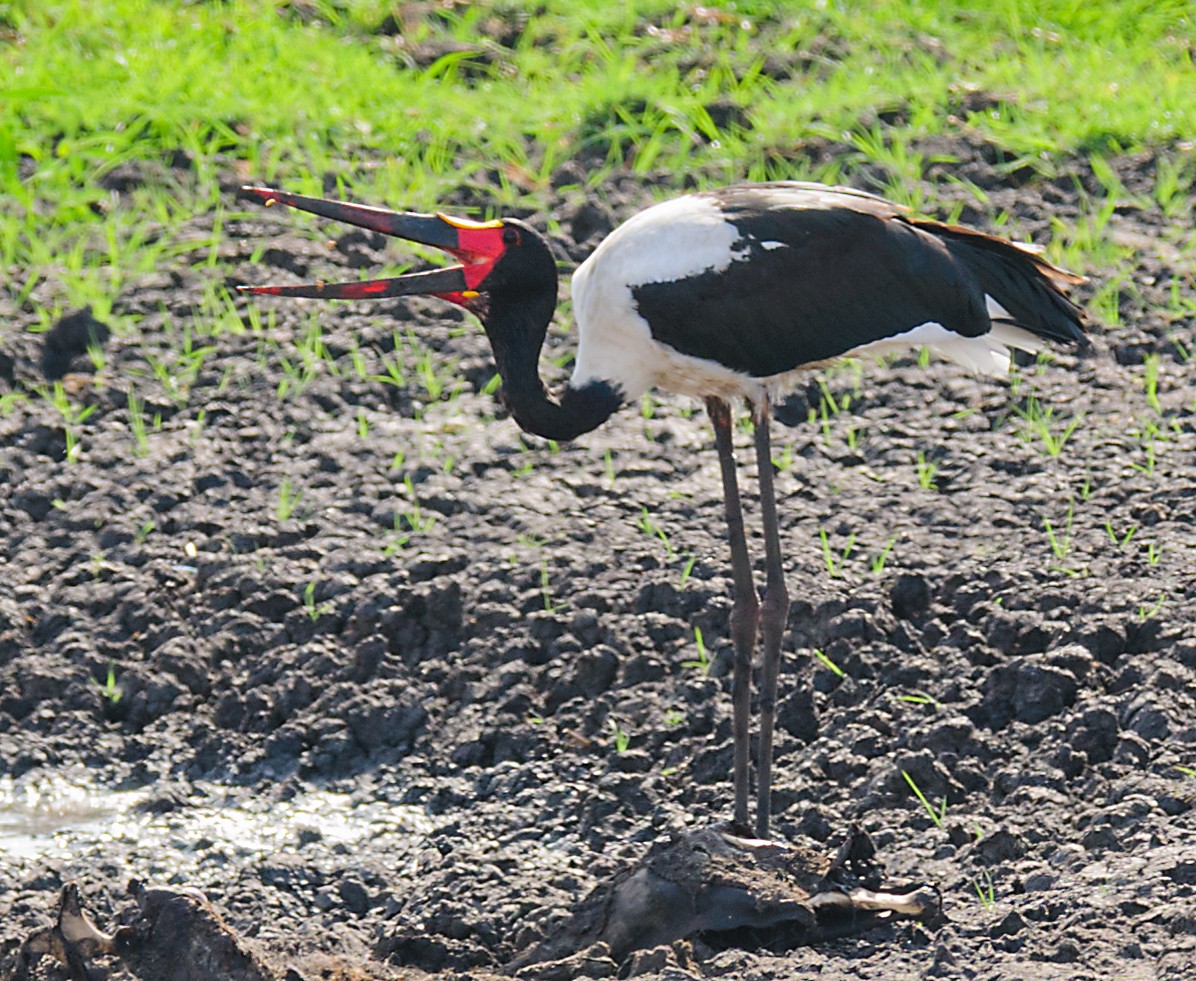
330 565
710 885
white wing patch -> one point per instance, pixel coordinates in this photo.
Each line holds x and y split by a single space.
988 354
995 310
670 241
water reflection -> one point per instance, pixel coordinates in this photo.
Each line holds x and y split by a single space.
55 814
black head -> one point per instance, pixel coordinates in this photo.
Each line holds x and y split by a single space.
523 273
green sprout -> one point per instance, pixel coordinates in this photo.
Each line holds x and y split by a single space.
937 815
702 662
109 690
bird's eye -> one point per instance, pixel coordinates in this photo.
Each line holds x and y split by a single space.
511 236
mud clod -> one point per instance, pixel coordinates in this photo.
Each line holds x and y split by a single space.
374 655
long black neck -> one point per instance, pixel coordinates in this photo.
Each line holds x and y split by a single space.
516 331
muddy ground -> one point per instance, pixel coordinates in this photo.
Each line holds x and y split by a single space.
390 683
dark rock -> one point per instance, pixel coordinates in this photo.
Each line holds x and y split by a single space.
798 715
1106 641
1011 924
1000 847
910 596
1183 873
631 761
1094 733
355 896
1018 633
1029 691
69 338
382 714
1100 840
1131 751
1040 882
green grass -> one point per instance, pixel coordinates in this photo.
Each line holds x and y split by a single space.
1037 424
289 499
926 470
620 737
985 889
647 525
271 94
546 594
478 107
832 559
109 688
1059 537
313 609
937 814
702 662
829 664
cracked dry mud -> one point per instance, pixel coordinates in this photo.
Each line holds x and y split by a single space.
398 687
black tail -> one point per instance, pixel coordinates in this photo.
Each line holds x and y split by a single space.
1025 284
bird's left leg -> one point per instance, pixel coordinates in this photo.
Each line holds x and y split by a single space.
745 610
774 616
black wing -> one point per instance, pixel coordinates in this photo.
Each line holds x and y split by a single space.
817 273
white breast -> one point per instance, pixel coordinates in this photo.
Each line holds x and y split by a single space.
667 242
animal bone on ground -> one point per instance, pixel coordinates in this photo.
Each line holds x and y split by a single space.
711 884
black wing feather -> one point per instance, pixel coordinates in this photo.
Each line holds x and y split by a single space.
1023 283
848 270
819 272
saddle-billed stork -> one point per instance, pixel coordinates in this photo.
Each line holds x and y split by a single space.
723 295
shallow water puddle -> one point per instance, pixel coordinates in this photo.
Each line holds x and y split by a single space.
63 815
37 809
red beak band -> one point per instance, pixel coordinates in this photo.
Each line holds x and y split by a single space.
433 282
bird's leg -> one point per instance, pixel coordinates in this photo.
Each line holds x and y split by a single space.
774 617
745 611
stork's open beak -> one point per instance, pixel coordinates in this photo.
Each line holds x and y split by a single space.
477 244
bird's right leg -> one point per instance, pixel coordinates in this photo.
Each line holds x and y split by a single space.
745 611
774 617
